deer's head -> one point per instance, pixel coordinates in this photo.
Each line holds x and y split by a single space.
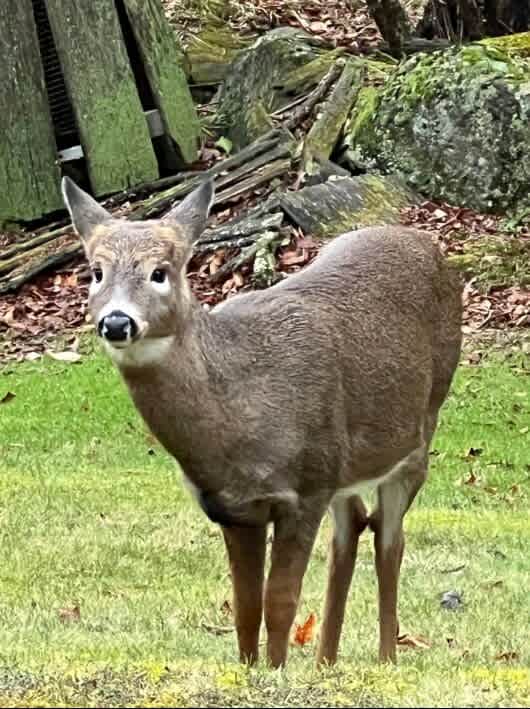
139 295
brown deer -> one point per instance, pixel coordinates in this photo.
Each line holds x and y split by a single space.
282 403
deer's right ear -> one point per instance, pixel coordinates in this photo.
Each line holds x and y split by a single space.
192 213
85 212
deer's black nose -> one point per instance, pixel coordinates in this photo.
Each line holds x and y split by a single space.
117 327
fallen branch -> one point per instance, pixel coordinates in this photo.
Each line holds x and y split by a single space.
39 263
29 244
240 228
316 96
265 239
160 202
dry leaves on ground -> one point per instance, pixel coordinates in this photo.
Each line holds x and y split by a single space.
70 615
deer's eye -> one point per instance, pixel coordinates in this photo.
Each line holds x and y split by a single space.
159 275
97 275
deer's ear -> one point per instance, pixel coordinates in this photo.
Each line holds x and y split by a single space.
192 213
85 212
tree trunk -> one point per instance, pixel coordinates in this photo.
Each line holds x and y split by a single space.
392 21
100 82
455 20
506 16
29 176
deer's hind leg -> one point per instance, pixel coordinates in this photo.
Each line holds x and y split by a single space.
394 497
350 518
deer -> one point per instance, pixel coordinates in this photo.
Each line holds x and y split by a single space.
283 403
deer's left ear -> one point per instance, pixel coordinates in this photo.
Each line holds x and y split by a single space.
192 213
85 212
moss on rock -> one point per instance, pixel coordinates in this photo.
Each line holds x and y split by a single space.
255 83
454 124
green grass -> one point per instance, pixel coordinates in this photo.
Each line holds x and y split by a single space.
93 514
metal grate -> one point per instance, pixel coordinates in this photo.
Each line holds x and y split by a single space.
63 118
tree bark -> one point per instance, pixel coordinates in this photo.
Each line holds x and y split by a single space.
454 20
392 21
506 16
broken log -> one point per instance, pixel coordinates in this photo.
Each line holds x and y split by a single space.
315 96
29 175
264 241
158 203
264 272
253 87
326 130
54 253
346 203
242 227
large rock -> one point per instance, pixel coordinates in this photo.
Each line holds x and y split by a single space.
259 81
455 124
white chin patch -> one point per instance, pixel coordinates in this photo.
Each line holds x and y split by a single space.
139 353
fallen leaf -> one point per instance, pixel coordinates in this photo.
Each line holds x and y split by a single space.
224 144
226 608
417 642
70 615
227 286
8 396
318 26
71 281
292 258
239 281
216 261
32 356
8 318
66 356
304 633
507 656
474 452
472 479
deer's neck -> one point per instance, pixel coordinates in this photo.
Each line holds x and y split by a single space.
181 393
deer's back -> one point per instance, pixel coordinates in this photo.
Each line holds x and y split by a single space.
344 359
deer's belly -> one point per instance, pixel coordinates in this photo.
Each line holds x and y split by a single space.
229 511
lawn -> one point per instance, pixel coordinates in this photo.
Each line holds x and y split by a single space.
113 585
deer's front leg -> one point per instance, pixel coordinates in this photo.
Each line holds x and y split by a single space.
291 548
246 554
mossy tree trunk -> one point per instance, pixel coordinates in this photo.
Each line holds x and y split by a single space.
160 54
392 21
505 16
110 119
29 176
468 19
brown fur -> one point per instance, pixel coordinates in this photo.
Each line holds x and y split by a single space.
278 399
